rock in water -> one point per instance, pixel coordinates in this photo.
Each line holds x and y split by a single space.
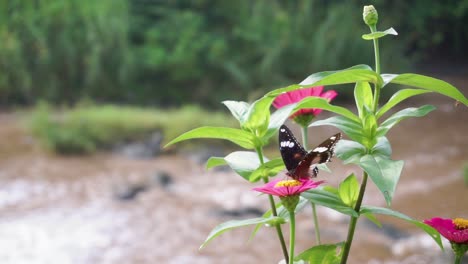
163 179
147 148
129 192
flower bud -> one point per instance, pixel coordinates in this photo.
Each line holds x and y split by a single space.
303 120
459 249
290 202
370 15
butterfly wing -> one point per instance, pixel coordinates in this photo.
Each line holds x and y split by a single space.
320 154
291 150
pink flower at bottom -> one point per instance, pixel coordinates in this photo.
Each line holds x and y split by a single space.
295 96
285 188
455 230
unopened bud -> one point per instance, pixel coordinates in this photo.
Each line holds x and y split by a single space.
370 15
290 202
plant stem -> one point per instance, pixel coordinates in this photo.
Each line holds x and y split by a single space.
352 224
305 143
377 68
292 235
458 258
273 211
305 136
316 224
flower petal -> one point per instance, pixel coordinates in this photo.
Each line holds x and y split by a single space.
447 229
331 94
282 191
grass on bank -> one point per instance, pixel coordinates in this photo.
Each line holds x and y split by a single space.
85 129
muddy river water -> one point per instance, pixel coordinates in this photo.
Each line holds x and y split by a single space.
66 209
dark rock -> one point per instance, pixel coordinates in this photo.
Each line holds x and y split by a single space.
388 230
163 179
239 213
147 148
129 192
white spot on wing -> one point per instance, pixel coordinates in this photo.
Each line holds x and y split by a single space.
320 149
291 144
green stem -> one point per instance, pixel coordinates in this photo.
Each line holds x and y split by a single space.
377 68
353 222
292 235
316 224
273 211
376 50
305 136
458 259
305 143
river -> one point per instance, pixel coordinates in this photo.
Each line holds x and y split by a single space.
66 209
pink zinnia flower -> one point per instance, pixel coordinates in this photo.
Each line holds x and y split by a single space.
456 230
285 188
299 94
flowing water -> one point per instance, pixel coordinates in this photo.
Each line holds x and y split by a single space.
64 209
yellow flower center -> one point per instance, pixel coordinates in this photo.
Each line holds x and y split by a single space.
460 223
287 183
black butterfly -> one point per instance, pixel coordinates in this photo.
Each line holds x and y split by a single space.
298 160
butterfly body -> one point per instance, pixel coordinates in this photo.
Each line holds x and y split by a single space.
297 160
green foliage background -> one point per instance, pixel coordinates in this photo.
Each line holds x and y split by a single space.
180 51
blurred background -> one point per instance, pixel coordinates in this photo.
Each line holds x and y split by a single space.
90 91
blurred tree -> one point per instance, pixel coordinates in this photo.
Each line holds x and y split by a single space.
179 51
210 50
62 50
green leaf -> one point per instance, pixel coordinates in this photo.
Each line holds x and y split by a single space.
369 128
294 262
317 102
268 169
363 97
384 172
397 98
358 73
330 200
215 162
258 116
279 91
238 109
371 217
221 228
323 254
247 165
379 34
385 211
426 82
243 163
349 190
382 148
237 136
401 115
331 190
350 127
350 151
277 119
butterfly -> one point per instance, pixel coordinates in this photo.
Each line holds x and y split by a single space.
298 160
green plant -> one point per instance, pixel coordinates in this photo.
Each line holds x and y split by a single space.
367 147
62 50
86 128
